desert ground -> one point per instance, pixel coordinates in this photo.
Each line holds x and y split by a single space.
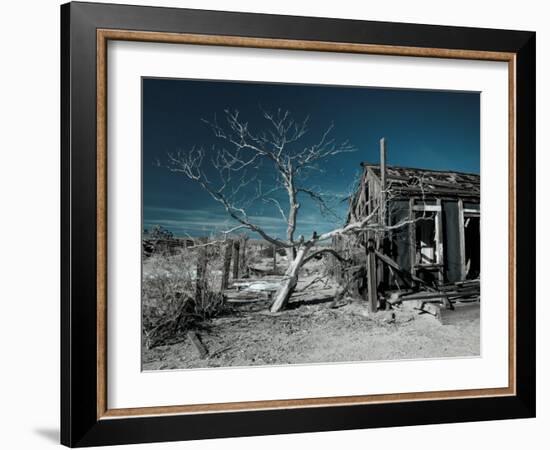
316 327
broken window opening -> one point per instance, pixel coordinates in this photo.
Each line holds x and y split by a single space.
426 242
427 238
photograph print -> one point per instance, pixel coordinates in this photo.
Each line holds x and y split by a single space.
306 224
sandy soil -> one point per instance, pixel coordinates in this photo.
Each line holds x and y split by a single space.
311 331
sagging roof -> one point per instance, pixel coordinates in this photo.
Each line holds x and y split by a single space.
409 181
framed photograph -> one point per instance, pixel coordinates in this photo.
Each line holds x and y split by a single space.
276 224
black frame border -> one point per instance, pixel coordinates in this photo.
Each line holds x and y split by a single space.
79 423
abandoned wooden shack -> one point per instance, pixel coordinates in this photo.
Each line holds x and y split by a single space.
427 232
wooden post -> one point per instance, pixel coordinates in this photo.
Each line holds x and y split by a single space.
372 294
274 259
226 264
412 236
200 281
236 254
242 259
382 211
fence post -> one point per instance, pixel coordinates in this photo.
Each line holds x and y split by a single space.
242 260
236 252
227 264
200 282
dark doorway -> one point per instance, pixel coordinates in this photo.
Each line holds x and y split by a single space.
472 247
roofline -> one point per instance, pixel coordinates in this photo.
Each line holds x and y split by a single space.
367 164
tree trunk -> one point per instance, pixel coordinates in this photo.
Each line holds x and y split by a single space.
290 280
290 254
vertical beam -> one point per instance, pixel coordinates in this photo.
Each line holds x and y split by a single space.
236 254
439 237
412 236
274 259
461 239
382 210
381 236
372 294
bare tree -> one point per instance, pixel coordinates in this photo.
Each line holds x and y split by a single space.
270 166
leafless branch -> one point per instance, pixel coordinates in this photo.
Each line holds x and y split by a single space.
324 251
231 178
368 222
235 165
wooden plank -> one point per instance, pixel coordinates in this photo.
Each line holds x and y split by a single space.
431 181
390 262
431 192
440 296
430 208
197 344
459 286
422 296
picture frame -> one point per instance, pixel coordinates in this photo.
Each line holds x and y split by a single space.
86 419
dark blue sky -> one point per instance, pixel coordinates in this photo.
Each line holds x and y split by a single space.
427 129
